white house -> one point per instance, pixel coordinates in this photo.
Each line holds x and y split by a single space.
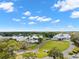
4 37
61 36
19 38
33 39
30 39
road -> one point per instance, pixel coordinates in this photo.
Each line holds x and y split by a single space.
66 52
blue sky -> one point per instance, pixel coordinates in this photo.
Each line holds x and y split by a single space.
39 15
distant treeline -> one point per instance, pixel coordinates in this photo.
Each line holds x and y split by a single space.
25 33
46 34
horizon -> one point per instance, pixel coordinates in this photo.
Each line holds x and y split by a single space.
35 31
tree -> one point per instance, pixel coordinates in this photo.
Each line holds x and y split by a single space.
40 40
7 47
75 39
24 45
56 54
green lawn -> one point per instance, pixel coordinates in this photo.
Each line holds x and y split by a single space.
61 45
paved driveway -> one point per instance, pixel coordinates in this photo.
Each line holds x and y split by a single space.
66 52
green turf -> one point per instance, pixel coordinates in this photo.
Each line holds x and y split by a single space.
61 45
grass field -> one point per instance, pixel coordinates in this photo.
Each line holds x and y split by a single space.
61 45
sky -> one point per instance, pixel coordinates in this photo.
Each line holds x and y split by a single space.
39 15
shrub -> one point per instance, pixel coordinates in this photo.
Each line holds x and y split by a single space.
71 53
75 51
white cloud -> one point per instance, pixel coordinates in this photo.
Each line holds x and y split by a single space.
66 5
31 23
69 28
27 13
75 14
7 6
23 17
17 20
20 21
56 21
41 19
33 17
